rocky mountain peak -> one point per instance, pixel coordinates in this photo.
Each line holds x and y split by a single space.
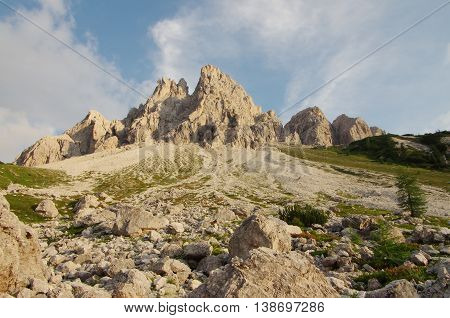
347 129
167 88
219 112
312 126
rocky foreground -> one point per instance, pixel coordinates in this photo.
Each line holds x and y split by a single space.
215 232
148 256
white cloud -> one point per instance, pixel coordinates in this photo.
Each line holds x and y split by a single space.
284 32
310 42
17 131
44 86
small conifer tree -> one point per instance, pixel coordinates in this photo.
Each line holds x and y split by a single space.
410 196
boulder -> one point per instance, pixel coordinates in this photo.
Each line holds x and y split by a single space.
396 289
259 231
20 256
210 263
267 274
91 217
439 288
357 222
47 209
197 251
429 235
81 290
87 201
131 283
131 221
175 228
419 259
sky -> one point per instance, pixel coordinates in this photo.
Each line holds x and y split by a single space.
278 50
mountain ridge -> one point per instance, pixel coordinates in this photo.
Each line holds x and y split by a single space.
219 111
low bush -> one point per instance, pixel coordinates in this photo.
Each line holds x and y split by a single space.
303 215
418 274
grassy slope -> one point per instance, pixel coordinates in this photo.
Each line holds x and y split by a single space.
333 157
29 177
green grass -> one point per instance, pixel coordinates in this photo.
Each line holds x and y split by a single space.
73 231
356 239
418 274
388 254
437 221
23 206
346 210
217 250
30 177
66 205
339 159
323 253
346 195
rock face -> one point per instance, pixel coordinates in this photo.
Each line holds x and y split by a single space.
218 112
20 256
377 131
312 126
93 133
259 231
267 274
346 130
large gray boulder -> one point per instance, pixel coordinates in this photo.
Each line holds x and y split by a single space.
131 221
47 208
260 231
267 274
131 283
396 289
20 256
197 251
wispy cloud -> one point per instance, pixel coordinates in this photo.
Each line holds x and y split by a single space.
284 33
310 42
44 86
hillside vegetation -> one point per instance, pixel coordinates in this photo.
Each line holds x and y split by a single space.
425 151
339 159
29 177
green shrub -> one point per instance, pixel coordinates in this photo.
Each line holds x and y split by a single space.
418 274
390 254
410 196
303 215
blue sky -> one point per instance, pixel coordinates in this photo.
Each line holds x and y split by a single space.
278 50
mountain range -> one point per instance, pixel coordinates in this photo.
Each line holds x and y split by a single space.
218 112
